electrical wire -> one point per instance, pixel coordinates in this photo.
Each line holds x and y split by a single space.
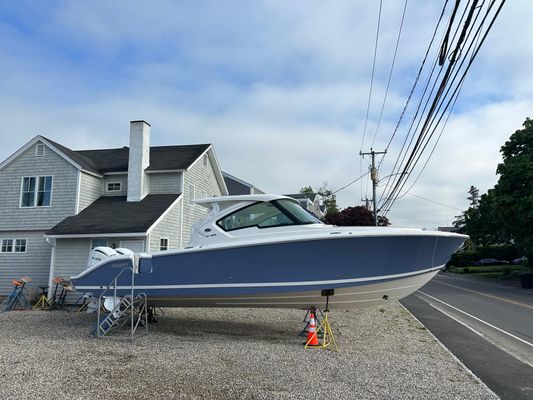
390 73
443 93
351 183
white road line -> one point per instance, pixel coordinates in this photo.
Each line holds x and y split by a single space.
477 319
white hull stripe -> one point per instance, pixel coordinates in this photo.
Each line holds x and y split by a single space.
267 284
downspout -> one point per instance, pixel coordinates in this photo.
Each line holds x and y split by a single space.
52 263
182 201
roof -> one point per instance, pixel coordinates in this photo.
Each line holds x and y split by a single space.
310 196
161 157
113 214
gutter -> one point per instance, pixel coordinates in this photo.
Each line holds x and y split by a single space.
52 263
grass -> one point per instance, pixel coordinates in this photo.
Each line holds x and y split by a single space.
506 271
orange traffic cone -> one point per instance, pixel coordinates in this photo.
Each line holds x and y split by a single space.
312 337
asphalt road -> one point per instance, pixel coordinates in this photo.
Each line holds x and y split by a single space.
488 326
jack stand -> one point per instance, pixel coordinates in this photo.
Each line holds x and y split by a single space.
325 328
43 300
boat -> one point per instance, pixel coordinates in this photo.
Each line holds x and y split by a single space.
267 251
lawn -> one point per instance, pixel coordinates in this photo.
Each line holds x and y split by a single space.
504 271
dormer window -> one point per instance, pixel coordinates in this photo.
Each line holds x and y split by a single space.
113 187
39 150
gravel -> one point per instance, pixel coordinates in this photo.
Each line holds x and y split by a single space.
384 353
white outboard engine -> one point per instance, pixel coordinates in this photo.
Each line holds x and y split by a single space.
124 252
99 254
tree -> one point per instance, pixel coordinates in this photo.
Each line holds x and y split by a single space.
514 190
504 214
307 190
354 216
474 196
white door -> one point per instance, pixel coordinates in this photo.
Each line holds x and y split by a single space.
137 246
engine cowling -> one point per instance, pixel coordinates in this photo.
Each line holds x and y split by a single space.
99 254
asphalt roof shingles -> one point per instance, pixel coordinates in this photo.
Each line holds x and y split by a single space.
162 158
113 214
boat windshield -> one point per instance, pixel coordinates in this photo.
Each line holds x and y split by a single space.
267 215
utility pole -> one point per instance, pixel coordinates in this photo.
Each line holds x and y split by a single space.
375 179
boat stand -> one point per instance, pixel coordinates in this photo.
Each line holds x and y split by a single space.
327 339
43 300
16 300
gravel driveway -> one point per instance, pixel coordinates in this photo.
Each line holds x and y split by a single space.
229 353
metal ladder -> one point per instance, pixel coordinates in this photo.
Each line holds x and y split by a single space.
130 308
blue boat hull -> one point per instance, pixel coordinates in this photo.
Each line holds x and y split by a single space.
264 274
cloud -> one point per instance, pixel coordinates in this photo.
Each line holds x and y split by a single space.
280 88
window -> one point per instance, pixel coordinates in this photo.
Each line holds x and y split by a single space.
20 245
39 150
163 244
7 245
205 159
98 243
13 246
267 215
113 187
36 191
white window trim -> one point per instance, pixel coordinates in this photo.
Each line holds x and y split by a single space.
36 191
168 243
113 190
13 245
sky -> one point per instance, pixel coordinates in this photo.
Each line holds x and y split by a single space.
280 88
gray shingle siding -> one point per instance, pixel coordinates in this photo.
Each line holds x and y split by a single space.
35 262
64 184
163 183
72 254
202 177
168 227
122 179
90 189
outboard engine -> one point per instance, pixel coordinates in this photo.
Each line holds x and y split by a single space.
124 252
99 254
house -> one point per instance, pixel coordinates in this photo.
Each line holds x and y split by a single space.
56 204
237 186
310 202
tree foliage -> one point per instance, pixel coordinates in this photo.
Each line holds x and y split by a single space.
504 214
354 216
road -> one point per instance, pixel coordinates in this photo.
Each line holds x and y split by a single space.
488 326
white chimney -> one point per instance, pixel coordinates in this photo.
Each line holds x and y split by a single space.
139 160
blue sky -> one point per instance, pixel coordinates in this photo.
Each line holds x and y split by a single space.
280 88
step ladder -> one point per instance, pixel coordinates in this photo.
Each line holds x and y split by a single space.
131 308
125 310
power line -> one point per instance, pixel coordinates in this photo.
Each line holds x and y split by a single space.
351 183
442 96
372 75
430 118
390 73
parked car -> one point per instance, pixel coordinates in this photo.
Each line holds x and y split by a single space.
519 260
490 261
